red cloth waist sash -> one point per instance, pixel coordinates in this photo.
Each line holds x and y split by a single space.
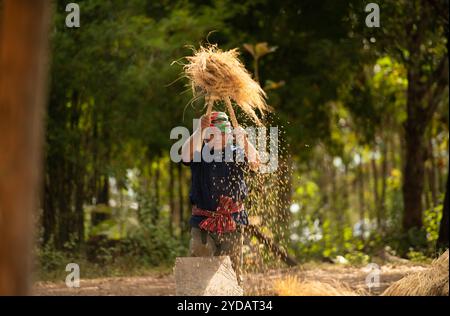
220 221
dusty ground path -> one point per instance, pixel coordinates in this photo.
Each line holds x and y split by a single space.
347 277
255 284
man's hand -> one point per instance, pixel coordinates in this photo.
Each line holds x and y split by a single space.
205 122
240 135
194 142
250 152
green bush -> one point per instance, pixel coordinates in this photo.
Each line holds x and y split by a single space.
156 246
417 256
49 259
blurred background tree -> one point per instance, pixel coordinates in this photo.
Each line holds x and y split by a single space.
363 113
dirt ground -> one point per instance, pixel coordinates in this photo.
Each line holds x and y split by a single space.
353 278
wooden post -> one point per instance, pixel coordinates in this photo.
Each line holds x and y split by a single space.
273 247
209 105
206 276
23 59
231 111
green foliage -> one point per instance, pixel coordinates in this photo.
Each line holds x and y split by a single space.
417 256
314 242
50 259
431 220
394 200
339 98
156 246
144 249
358 258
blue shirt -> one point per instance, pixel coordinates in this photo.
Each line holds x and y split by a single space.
212 179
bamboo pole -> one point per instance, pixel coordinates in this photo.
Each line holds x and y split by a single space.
273 247
231 112
209 104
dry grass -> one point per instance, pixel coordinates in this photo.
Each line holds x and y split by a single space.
430 282
220 75
293 286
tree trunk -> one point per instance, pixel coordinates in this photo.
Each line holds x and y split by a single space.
413 178
432 173
156 178
23 60
384 176
171 197
48 215
103 193
180 198
442 242
422 101
425 195
413 174
362 205
376 196
102 198
95 165
345 203
79 210
63 204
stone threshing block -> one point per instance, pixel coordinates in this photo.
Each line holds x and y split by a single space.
206 276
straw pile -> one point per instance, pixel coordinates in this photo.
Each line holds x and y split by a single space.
219 75
430 282
292 286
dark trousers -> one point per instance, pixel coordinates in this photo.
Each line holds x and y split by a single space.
207 244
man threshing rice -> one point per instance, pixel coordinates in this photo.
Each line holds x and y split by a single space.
218 188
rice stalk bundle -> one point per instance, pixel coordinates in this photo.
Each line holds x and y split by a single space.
293 286
220 75
430 282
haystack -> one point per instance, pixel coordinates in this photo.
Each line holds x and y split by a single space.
220 75
430 282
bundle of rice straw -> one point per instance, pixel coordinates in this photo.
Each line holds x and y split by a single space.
219 75
292 286
430 282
